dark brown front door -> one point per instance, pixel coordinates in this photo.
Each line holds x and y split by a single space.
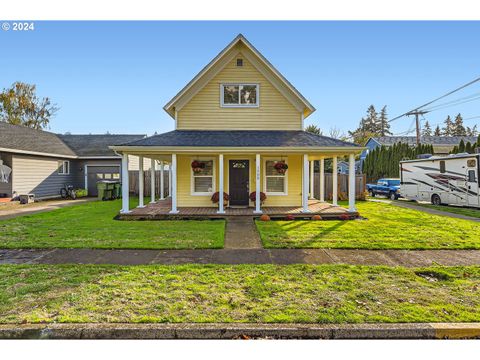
238 182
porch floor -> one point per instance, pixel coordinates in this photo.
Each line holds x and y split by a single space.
161 208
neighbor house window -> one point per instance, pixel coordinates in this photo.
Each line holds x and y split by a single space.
239 95
203 182
275 181
64 167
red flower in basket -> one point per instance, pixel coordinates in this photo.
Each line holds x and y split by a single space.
197 166
281 167
254 198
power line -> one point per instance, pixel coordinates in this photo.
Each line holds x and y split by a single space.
476 95
439 98
441 107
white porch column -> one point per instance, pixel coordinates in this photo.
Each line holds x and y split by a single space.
221 210
170 180
125 190
162 185
140 182
351 183
322 179
173 172
306 179
335 181
257 184
152 180
312 188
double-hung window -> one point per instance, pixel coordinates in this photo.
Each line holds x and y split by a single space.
64 167
203 177
239 95
275 182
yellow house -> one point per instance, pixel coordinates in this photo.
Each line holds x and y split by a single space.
239 130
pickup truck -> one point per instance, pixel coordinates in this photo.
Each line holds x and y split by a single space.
387 187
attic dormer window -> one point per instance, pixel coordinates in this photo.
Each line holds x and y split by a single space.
239 95
239 62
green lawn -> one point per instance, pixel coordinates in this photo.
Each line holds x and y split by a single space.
387 227
453 209
238 293
92 225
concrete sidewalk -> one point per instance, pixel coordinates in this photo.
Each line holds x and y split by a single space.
241 331
407 258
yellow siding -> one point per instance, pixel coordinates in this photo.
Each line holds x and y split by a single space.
204 112
184 179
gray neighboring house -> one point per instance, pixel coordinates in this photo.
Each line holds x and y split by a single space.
43 162
343 167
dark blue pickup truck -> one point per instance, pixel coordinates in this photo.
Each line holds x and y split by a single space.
386 187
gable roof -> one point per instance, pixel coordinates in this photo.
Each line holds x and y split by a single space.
17 138
96 145
221 60
431 140
240 138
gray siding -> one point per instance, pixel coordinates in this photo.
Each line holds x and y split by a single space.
80 175
39 175
6 188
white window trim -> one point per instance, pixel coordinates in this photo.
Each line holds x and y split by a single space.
285 183
63 168
214 175
222 104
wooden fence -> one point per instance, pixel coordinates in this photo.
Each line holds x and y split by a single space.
360 186
133 182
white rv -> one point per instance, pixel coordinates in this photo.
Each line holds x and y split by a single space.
452 180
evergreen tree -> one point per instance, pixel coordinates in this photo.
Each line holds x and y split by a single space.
427 130
458 128
472 131
469 147
461 146
383 123
314 129
437 131
371 121
448 129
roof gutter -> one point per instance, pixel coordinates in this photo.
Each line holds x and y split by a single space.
27 152
226 149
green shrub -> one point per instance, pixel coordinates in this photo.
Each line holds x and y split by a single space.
81 193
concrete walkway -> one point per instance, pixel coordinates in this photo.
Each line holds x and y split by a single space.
241 233
407 258
38 207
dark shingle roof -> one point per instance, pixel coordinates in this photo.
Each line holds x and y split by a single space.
17 137
433 140
96 145
240 138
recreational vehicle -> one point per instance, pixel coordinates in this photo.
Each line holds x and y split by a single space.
450 180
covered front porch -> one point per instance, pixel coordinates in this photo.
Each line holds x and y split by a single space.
250 182
160 210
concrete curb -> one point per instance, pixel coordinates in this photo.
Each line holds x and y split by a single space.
241 331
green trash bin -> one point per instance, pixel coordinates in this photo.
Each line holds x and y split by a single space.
118 190
101 187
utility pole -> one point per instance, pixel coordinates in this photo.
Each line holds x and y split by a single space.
417 121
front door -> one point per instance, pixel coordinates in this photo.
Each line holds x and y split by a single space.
238 182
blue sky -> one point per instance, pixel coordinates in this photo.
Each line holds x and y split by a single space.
116 76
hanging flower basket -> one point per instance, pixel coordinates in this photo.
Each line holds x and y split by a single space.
253 197
281 167
197 166
215 197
